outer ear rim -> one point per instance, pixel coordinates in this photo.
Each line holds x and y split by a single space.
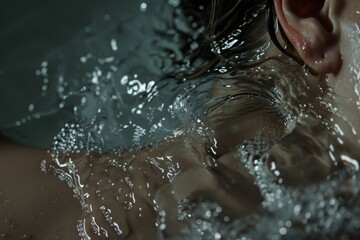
317 47
272 33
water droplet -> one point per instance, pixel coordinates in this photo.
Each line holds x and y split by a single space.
124 80
4 235
114 46
31 107
297 209
174 3
162 226
282 231
143 7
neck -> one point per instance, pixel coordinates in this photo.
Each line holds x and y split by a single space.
346 86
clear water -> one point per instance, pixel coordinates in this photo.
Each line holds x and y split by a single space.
110 88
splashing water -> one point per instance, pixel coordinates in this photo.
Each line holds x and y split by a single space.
118 151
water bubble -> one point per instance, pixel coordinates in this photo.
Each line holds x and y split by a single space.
27 236
61 105
174 3
107 17
4 235
288 224
162 226
282 231
143 7
114 45
44 65
223 70
95 78
124 80
31 107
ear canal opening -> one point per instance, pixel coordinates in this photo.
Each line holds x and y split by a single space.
269 18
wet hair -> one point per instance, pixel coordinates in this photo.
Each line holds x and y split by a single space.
252 22
219 15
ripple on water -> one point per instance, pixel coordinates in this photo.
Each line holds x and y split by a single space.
119 103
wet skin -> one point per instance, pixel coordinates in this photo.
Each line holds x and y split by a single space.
33 203
196 173
197 179
121 187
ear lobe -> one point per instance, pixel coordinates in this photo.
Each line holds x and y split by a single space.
313 29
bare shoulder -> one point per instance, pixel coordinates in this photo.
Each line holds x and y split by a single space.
32 202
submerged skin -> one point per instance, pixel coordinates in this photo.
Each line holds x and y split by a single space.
198 177
140 188
199 174
32 203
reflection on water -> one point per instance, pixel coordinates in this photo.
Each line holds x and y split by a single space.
234 153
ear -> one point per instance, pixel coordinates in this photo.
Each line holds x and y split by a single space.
312 27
